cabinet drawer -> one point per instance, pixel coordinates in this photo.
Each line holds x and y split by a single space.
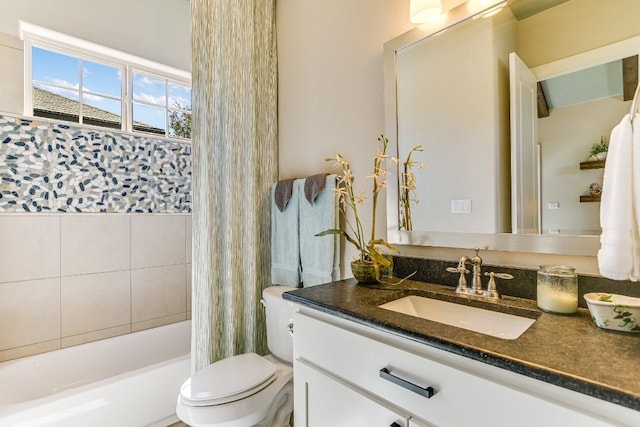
459 399
328 402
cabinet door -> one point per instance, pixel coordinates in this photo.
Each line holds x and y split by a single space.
323 401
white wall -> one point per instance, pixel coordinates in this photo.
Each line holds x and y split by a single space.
331 99
331 85
11 74
566 137
449 95
154 29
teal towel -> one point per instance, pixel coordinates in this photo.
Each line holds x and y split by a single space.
319 256
285 238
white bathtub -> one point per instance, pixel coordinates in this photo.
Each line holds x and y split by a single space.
130 380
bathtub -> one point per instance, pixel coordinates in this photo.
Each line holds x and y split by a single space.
129 380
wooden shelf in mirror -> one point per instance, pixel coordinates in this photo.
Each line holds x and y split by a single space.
589 198
594 164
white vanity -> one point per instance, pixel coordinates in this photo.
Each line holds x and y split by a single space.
356 364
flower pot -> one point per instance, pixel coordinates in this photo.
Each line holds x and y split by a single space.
365 272
596 157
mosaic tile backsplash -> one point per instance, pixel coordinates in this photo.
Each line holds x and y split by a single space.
54 167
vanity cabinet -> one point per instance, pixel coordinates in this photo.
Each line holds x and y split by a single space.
348 374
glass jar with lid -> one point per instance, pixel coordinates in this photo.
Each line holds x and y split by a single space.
557 290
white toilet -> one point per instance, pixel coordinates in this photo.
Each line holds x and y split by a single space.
247 390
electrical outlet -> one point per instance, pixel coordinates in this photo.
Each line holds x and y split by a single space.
461 206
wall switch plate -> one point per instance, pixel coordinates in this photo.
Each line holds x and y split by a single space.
461 206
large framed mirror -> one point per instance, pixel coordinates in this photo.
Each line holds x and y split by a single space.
451 90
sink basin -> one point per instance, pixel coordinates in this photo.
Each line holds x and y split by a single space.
494 323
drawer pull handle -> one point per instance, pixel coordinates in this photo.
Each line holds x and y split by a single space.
426 392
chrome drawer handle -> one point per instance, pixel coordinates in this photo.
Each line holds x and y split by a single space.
387 375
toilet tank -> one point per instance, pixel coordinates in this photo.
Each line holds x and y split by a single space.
279 313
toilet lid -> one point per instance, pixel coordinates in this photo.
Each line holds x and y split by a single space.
229 379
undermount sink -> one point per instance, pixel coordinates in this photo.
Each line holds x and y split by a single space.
494 323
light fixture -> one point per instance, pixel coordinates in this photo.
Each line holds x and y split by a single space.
421 11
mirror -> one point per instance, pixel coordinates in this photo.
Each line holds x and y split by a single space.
463 123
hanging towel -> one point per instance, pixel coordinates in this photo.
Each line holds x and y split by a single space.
282 193
320 256
617 257
313 186
285 239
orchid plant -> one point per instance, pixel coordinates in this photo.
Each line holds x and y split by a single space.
372 249
408 188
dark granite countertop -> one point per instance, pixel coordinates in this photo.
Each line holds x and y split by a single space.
568 351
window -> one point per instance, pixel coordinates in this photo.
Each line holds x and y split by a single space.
77 81
162 104
77 90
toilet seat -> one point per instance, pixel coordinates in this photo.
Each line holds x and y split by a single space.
228 380
240 412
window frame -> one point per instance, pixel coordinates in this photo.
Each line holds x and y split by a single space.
35 36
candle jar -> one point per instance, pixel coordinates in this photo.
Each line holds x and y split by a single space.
557 290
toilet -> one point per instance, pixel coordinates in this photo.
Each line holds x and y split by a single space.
247 389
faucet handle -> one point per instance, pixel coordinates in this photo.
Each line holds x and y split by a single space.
462 281
492 291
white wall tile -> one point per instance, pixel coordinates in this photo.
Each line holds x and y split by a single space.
95 336
157 240
95 243
29 247
93 302
28 350
90 291
159 321
29 312
158 292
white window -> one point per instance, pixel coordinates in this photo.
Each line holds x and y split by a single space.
162 103
77 81
74 89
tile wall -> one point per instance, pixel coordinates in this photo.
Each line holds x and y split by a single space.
66 279
57 167
94 260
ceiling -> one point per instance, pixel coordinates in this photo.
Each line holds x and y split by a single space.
522 9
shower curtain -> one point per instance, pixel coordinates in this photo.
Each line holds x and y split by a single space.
234 136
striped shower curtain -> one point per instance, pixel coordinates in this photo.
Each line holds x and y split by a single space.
234 80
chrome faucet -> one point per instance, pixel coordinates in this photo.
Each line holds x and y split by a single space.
476 280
